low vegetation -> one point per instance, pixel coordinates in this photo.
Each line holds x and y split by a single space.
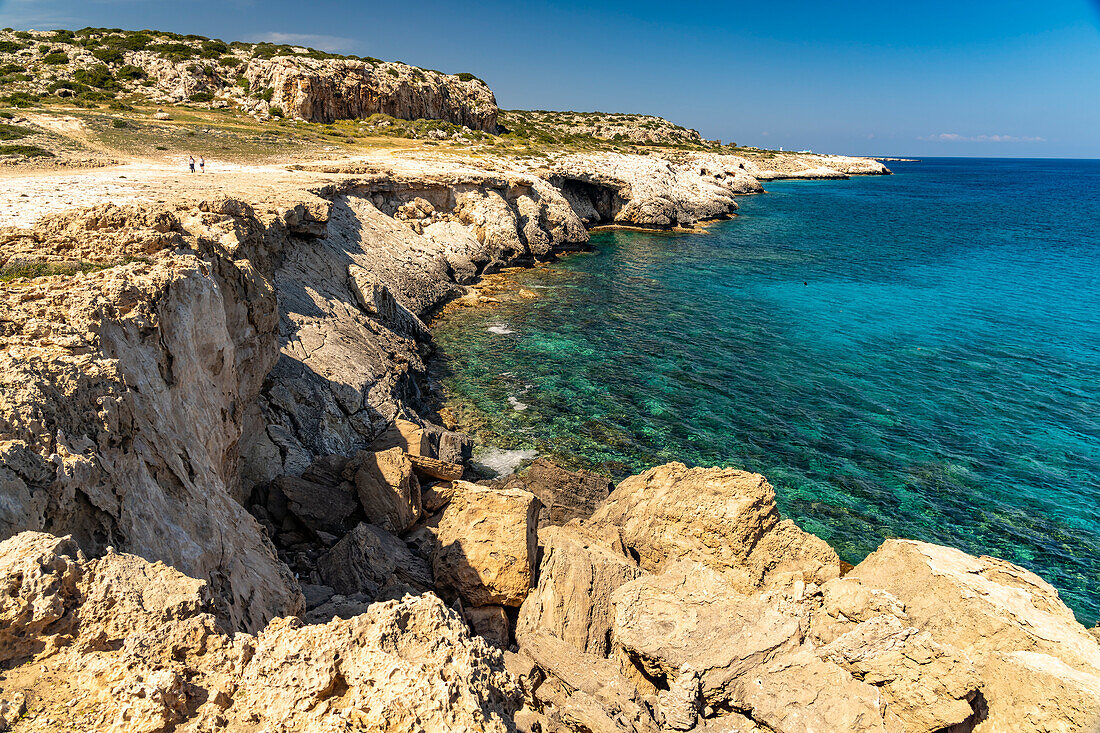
32 270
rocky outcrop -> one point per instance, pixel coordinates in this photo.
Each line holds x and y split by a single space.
722 518
123 393
650 191
1009 622
352 302
662 595
119 644
295 82
324 90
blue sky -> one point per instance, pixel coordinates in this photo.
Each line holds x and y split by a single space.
967 77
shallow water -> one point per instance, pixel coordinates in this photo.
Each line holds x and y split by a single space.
907 356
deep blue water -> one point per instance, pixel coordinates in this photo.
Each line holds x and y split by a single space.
915 355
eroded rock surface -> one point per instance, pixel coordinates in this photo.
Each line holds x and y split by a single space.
486 546
722 518
142 652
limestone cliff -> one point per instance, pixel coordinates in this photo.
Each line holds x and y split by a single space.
260 78
327 90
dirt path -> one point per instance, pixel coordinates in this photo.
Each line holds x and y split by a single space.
28 194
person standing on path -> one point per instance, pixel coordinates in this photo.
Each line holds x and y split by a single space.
202 164
191 163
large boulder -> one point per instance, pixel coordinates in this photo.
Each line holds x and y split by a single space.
710 643
388 490
369 560
321 507
927 686
565 495
401 665
572 601
486 546
1007 620
721 517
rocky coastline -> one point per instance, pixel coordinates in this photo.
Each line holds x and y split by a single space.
226 505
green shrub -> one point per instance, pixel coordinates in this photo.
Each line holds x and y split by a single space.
108 55
466 76
10 46
243 84
120 106
135 41
267 94
43 269
29 151
268 50
173 51
61 36
276 112
213 49
95 96
96 76
231 62
119 124
11 132
201 97
6 115
11 69
56 58
23 35
20 99
392 71
128 71
45 48
72 86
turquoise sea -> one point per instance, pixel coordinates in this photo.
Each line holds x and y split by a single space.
916 355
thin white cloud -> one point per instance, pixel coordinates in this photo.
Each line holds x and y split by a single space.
23 14
332 44
952 137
